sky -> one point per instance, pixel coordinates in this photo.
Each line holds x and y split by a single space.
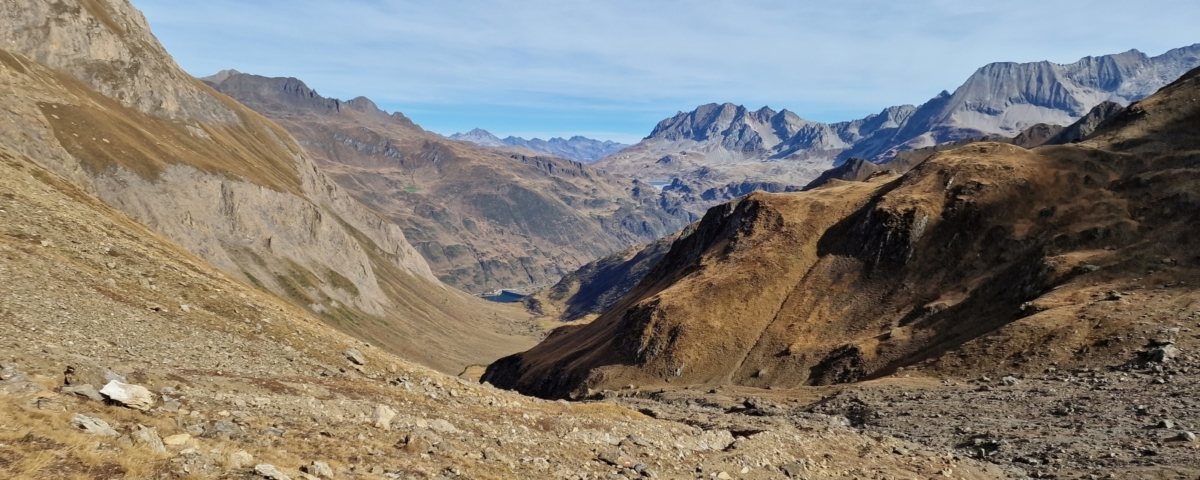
612 69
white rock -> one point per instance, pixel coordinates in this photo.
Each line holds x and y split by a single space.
267 470
319 469
94 426
129 395
383 416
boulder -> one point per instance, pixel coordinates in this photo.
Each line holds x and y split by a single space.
147 437
129 395
267 470
383 416
177 440
355 356
94 426
86 390
318 469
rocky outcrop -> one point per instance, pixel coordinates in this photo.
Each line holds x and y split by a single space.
483 219
854 280
1084 127
99 102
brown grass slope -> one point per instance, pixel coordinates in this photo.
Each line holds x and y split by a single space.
855 280
600 284
92 96
242 378
482 218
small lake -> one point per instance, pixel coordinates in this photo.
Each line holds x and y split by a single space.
504 296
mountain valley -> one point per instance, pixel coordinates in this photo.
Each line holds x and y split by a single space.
235 277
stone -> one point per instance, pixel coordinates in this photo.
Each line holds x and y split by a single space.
129 395
147 437
94 426
792 470
1163 354
239 459
86 390
224 429
177 440
615 458
1166 424
1186 437
355 356
269 471
318 469
724 476
383 416
1010 381
442 426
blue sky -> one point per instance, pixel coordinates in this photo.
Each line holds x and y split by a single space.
611 69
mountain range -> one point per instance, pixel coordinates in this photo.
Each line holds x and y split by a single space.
578 148
482 218
721 144
974 262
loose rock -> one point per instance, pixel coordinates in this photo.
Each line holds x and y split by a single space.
318 469
129 395
355 356
383 416
144 436
267 470
94 426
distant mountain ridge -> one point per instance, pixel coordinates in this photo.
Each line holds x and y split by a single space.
482 218
718 144
578 148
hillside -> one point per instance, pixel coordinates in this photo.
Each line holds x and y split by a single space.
717 145
92 96
231 382
854 280
483 219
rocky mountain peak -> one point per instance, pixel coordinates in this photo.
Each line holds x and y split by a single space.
479 137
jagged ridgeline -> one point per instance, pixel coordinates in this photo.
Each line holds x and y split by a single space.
483 219
93 97
979 255
719 145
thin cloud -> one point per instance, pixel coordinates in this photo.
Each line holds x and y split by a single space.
621 65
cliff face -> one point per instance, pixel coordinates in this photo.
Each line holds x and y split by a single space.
483 219
853 280
95 99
